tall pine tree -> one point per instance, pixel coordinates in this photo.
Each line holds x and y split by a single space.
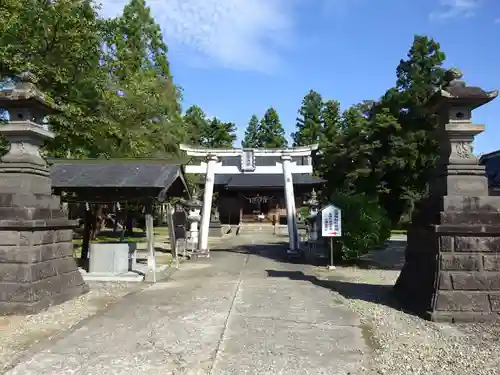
218 134
252 134
418 76
271 130
309 125
196 124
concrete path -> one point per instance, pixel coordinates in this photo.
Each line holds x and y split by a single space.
240 312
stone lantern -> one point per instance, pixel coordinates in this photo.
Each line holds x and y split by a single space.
451 270
36 251
313 227
313 204
194 217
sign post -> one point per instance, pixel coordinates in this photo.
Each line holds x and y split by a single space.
331 219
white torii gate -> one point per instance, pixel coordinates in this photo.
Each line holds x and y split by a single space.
211 166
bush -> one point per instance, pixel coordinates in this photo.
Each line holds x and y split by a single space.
365 225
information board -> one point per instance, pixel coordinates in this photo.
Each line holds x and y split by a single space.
331 217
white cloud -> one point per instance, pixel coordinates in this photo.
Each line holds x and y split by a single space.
238 34
455 8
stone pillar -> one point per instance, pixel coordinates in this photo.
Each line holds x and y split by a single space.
207 205
452 268
37 268
290 204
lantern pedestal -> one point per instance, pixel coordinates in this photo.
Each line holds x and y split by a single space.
37 268
452 269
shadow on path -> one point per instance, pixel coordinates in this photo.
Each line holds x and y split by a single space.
379 294
390 256
274 251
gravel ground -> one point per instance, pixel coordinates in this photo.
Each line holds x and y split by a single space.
20 333
405 344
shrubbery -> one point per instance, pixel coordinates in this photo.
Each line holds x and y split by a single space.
365 225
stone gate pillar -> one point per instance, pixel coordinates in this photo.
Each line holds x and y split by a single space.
452 259
37 268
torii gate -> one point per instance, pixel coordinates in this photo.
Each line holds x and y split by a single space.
212 166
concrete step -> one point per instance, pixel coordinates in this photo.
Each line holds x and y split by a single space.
264 227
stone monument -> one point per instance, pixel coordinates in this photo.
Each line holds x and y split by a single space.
37 268
452 259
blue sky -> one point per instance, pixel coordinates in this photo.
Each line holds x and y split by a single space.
235 58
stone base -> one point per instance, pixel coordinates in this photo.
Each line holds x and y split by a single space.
452 269
215 229
112 258
200 254
37 268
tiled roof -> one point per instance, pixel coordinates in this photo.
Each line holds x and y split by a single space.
114 174
234 181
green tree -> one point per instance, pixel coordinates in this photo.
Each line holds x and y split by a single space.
219 134
196 124
143 103
60 43
331 128
135 43
272 133
252 134
417 78
138 120
309 123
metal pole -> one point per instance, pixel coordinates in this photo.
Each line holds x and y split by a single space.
332 266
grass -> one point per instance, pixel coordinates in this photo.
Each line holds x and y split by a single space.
398 231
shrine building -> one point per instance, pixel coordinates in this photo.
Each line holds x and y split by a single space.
250 198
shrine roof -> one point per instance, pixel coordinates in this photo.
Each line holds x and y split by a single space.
492 163
92 173
236 181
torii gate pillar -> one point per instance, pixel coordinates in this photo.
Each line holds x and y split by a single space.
207 205
290 204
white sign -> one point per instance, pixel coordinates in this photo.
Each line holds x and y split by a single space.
331 225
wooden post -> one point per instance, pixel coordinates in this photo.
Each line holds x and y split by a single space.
150 238
87 228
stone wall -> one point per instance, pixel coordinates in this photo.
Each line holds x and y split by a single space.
37 268
469 277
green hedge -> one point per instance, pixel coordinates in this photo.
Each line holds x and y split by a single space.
365 225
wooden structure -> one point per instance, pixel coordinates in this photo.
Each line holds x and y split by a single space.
246 199
126 182
491 162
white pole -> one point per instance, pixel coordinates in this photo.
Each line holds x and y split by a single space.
207 203
290 204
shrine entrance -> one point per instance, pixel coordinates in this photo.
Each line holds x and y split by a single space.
241 171
256 207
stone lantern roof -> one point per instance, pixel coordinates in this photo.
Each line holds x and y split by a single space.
456 93
24 94
194 202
